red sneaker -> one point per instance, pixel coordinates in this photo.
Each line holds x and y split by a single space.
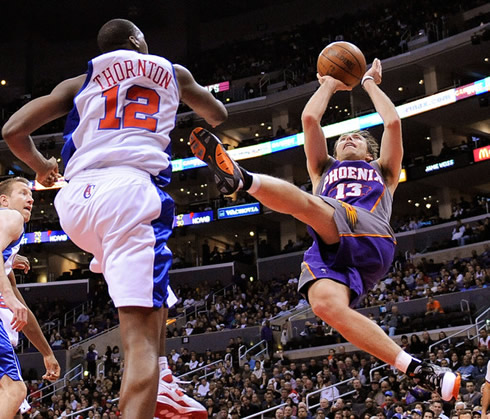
172 402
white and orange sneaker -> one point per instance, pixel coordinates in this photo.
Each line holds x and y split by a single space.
172 402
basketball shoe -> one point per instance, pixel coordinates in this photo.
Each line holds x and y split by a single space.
172 402
207 147
435 378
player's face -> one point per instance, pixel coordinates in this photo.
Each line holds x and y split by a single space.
352 147
20 199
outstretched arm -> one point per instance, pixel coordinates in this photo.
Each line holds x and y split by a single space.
35 335
199 99
38 112
391 151
315 142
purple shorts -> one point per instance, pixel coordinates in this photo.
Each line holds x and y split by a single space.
357 262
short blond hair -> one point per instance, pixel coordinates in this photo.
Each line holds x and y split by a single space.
7 184
371 142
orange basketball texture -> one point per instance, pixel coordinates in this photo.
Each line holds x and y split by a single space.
343 61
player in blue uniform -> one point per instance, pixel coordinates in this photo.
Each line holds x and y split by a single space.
117 144
15 210
348 217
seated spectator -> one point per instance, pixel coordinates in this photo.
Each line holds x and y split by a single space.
458 233
433 307
466 369
484 340
472 397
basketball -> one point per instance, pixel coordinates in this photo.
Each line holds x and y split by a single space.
343 61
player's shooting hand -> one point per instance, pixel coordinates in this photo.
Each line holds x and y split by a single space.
19 310
336 85
375 71
52 368
49 175
22 263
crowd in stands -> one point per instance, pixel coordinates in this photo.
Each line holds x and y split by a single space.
380 30
460 209
428 279
245 303
230 389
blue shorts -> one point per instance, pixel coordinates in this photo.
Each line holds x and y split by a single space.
9 363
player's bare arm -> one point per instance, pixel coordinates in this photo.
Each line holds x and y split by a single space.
11 227
485 402
199 99
38 112
22 263
35 335
315 143
391 149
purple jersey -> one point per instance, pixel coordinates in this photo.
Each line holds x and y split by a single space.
356 182
362 203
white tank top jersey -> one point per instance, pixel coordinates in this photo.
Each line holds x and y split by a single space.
123 115
6 314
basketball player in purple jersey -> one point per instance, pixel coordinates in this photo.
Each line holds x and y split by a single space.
117 145
348 217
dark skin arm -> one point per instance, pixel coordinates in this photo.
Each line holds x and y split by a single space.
38 112
199 98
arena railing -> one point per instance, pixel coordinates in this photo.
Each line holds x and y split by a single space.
242 355
261 414
320 390
75 312
204 367
94 336
88 409
56 386
480 319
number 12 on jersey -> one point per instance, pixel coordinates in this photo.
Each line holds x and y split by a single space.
128 118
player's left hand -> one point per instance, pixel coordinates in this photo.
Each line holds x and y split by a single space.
49 175
375 71
22 263
52 368
336 84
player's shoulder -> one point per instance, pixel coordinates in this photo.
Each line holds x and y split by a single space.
10 215
11 223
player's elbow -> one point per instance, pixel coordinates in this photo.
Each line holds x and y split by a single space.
11 129
218 116
309 119
393 123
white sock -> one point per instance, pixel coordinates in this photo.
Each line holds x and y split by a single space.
255 183
163 363
402 361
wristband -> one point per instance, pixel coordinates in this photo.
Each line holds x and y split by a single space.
366 77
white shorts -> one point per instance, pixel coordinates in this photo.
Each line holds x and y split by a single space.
124 220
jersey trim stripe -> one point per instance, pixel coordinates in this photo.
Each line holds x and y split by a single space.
72 122
379 199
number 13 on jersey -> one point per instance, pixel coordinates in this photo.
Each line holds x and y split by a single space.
150 106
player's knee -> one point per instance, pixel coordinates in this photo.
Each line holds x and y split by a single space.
327 309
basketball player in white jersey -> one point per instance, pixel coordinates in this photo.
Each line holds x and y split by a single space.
117 160
15 210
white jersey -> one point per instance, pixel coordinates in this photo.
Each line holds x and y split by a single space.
6 314
123 115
